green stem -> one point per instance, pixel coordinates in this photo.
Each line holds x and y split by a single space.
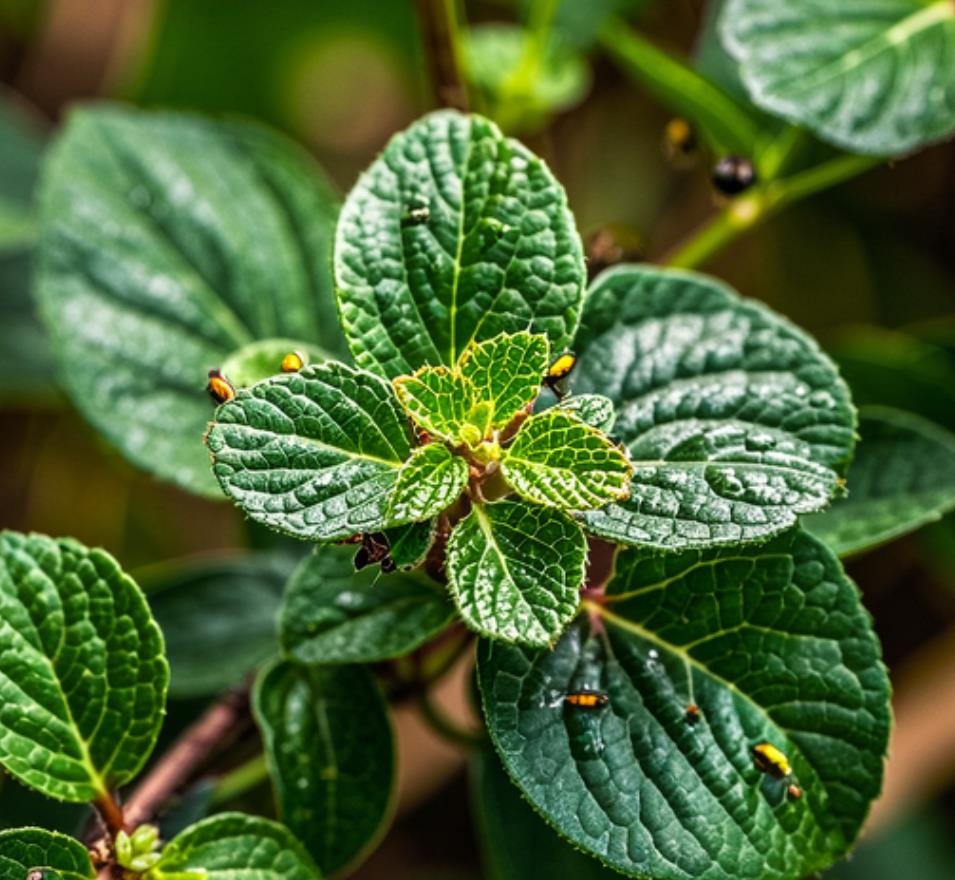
238 781
756 206
447 729
724 122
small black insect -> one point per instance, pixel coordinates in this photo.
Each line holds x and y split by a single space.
733 175
374 548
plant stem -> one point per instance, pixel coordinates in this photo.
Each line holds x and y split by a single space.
752 208
177 766
440 30
725 123
447 729
111 813
239 780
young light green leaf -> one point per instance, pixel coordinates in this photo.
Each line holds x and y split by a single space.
218 617
593 409
516 843
167 243
772 645
734 419
23 850
875 77
455 233
439 400
558 460
230 846
263 358
333 614
902 477
408 545
515 571
506 371
493 57
428 483
314 454
330 751
82 676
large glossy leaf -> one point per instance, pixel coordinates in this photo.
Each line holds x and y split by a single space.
333 614
219 618
330 752
771 644
517 844
82 673
314 454
735 421
23 850
455 233
232 846
873 76
594 409
902 477
560 461
167 243
515 570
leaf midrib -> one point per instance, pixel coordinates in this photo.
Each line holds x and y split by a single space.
887 40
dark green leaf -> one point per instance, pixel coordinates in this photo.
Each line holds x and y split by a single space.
559 461
455 233
167 243
409 545
871 77
902 477
23 850
735 421
232 846
218 618
314 454
82 675
428 483
772 645
331 757
332 614
516 843
515 571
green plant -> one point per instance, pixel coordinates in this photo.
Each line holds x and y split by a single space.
701 428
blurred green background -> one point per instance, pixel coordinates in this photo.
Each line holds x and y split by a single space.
868 268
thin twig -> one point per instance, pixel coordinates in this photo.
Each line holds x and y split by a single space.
180 763
439 30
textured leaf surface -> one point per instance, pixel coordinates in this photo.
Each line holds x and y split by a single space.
82 673
506 371
428 483
515 571
772 644
233 846
23 850
902 477
735 421
218 618
168 242
874 76
455 233
330 752
333 614
409 545
594 409
558 460
314 454
516 843
440 400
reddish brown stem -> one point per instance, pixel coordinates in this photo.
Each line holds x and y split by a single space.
111 813
437 32
180 763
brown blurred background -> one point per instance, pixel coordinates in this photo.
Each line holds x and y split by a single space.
868 268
